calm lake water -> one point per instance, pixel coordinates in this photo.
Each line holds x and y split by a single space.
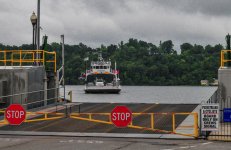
146 94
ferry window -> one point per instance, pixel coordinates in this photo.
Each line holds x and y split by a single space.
105 67
101 67
97 67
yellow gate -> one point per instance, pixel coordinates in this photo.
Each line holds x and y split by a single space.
180 129
36 116
189 128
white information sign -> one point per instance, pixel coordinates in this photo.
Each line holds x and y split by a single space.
209 117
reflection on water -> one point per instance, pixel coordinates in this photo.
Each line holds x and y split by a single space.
146 94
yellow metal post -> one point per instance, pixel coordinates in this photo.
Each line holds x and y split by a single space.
55 63
12 59
196 125
33 57
152 121
221 59
43 58
131 123
173 122
20 59
5 58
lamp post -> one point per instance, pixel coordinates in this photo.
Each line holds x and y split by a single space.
33 20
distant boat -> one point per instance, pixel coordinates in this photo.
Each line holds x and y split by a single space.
101 78
207 83
204 82
214 83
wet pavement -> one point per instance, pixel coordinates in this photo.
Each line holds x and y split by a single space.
91 143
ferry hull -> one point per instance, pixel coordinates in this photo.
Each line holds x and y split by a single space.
115 91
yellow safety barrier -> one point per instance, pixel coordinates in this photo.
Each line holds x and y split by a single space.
94 117
43 116
223 59
36 116
194 126
23 57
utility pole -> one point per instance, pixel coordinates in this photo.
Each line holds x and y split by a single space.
63 64
227 38
38 31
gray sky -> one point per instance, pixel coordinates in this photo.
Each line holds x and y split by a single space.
96 22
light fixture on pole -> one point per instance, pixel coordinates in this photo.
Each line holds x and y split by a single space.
33 20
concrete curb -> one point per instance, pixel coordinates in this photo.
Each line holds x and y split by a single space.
111 135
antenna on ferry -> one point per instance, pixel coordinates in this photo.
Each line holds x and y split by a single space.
100 56
115 71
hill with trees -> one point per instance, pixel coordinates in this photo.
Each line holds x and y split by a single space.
142 63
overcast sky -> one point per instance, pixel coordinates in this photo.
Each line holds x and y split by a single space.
96 22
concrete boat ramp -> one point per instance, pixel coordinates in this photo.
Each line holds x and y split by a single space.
73 127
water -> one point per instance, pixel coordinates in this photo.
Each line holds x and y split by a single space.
146 94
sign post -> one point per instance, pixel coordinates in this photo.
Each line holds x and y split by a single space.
15 114
121 116
209 117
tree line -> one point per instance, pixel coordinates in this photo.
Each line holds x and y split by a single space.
142 63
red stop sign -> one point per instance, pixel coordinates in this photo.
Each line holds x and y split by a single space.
121 116
15 114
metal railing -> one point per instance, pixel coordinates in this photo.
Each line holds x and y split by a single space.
32 99
35 117
94 117
225 59
159 122
27 57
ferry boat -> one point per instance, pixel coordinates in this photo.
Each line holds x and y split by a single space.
101 78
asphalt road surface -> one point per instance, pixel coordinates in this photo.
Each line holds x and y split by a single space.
90 143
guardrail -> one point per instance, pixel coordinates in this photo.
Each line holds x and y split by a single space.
174 130
171 127
36 116
31 99
27 57
225 58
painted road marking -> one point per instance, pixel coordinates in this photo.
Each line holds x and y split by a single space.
206 143
82 141
184 147
70 141
5 139
193 146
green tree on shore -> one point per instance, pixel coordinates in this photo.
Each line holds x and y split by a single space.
143 63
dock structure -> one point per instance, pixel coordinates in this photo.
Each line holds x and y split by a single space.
223 96
25 82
